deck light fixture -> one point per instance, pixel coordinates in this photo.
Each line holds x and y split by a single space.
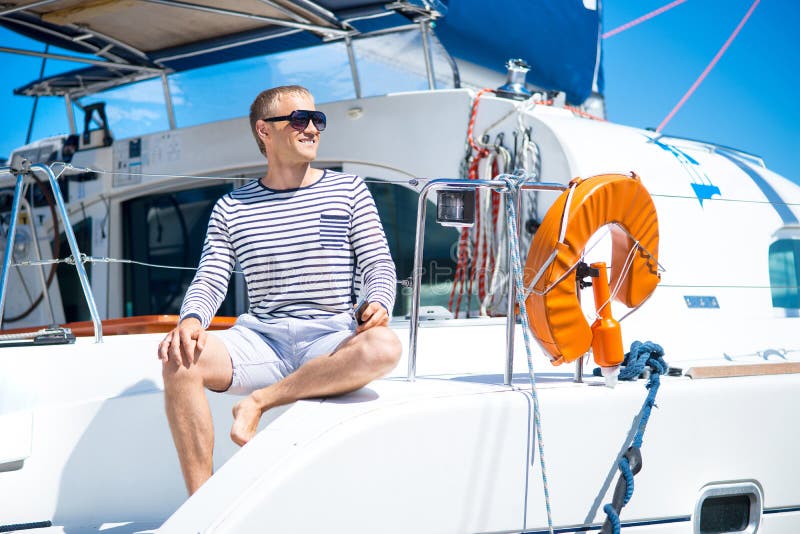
455 207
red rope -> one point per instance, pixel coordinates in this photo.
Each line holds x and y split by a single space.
631 24
472 117
584 114
573 109
462 264
708 68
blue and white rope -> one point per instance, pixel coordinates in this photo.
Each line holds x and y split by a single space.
641 355
514 182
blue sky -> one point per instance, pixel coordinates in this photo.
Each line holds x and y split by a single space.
748 100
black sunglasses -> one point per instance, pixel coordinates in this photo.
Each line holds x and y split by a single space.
298 119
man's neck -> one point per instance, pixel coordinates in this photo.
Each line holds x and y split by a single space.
290 176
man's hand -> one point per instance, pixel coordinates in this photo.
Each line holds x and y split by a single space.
184 343
373 315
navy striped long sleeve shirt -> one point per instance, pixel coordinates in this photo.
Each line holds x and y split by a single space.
304 252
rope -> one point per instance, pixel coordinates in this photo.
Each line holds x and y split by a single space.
640 357
721 199
70 260
643 18
413 182
23 335
513 182
708 68
466 265
584 114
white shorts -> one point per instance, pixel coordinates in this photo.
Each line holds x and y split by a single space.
264 353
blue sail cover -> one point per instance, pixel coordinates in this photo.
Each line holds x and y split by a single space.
560 39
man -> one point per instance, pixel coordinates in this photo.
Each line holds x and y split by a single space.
302 236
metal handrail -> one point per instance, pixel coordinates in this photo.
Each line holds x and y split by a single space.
22 169
416 275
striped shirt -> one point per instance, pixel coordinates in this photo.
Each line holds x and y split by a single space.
304 252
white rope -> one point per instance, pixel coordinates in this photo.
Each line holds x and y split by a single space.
565 215
22 335
70 260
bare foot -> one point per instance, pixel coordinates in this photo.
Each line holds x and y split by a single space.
246 415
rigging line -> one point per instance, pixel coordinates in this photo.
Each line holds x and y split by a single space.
742 200
713 286
643 18
413 181
708 68
91 259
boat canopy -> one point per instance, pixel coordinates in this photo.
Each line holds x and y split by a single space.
134 40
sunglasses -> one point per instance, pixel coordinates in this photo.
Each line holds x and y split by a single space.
298 119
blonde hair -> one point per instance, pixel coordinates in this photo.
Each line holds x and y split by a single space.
264 106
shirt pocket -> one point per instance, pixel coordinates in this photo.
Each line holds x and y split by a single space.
333 230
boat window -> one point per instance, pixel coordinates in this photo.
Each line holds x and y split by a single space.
134 109
397 206
166 229
784 273
69 285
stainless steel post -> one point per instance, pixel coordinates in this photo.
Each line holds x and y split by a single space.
70 114
511 316
578 371
168 101
351 57
578 377
425 30
416 274
76 253
9 252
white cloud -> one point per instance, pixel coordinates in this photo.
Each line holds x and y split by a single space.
143 115
147 92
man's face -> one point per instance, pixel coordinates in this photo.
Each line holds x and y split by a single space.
284 143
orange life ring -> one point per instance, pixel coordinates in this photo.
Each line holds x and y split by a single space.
555 313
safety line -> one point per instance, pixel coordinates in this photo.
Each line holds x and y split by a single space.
66 166
721 199
708 68
643 18
413 182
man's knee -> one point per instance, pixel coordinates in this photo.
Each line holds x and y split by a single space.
175 371
212 368
381 348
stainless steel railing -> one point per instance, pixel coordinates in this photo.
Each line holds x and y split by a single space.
23 168
416 275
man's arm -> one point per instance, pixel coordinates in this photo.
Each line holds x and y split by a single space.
210 284
373 259
205 294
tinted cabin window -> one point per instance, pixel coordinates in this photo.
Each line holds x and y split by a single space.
69 285
397 207
166 229
729 513
784 273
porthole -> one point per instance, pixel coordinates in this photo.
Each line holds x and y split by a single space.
728 508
